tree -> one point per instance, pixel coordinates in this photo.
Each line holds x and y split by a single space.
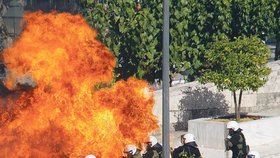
193 25
134 36
237 66
252 17
277 31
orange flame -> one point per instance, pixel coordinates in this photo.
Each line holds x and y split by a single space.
63 115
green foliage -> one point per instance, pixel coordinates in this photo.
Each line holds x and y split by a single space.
277 31
135 37
237 65
253 17
193 25
277 21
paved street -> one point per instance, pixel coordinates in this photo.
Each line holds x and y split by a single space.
269 150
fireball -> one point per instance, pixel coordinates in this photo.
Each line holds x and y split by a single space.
54 109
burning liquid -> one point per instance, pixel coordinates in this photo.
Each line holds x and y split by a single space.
63 115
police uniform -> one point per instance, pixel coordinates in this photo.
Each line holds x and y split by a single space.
137 154
237 144
151 154
188 150
158 148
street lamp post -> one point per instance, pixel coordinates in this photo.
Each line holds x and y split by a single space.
165 76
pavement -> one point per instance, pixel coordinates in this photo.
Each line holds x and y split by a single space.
271 150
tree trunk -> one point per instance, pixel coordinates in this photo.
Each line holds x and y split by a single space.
171 78
239 104
237 114
277 50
